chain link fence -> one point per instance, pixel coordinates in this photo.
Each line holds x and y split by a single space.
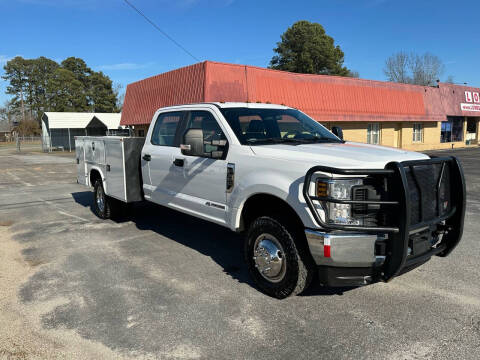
64 139
55 141
22 143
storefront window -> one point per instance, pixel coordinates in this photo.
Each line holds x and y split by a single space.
417 132
452 129
373 133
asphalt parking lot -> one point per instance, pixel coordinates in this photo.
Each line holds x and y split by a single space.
166 285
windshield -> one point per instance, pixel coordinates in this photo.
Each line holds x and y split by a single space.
265 126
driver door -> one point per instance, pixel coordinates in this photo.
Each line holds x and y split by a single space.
202 179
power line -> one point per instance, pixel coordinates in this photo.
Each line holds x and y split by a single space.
163 32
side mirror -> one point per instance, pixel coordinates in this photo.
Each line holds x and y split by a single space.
192 143
337 131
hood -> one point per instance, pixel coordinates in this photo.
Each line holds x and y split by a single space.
347 155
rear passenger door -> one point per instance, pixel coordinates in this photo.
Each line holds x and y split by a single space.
158 153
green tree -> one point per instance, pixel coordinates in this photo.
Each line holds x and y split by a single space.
41 84
82 73
101 93
16 73
42 72
67 92
98 90
306 48
79 69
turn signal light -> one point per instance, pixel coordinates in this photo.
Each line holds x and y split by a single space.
322 189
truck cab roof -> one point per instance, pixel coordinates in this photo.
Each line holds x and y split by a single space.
225 105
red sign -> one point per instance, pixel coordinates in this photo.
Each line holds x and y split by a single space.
468 96
476 97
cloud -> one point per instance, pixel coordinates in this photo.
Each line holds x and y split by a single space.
124 66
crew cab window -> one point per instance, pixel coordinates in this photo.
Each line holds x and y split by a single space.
165 129
213 136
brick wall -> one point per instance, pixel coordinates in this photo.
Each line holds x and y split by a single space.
400 135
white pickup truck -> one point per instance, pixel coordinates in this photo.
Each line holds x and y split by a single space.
311 205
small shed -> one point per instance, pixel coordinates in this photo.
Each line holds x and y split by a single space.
60 128
5 131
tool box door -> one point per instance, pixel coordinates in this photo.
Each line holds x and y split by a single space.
80 159
115 169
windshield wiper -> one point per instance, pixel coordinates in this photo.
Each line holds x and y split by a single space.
317 139
293 141
254 141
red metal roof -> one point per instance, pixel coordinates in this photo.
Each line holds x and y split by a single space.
454 95
144 97
325 98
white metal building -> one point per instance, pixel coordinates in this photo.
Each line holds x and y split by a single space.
60 128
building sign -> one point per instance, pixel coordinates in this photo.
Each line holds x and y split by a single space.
476 97
470 107
468 96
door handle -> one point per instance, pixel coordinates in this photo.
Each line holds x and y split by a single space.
147 157
178 162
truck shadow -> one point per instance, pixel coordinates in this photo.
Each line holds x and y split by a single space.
220 244
217 242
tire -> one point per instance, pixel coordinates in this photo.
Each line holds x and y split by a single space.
267 236
102 204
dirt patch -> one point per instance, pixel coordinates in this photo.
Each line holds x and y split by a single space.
21 333
6 223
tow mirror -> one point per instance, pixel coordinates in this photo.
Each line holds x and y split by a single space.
192 143
337 131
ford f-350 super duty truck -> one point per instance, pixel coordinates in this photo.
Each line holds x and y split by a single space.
310 204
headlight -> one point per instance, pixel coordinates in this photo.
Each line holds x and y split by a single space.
339 190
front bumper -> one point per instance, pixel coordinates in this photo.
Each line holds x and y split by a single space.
356 259
344 249
359 255
345 259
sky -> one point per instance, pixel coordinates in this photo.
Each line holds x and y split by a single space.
112 38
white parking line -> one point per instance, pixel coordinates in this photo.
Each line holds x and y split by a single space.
62 211
18 179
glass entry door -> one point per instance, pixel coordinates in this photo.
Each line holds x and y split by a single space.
472 124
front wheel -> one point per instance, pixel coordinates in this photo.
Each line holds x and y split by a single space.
274 260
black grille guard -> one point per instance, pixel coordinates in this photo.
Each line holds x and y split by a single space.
394 172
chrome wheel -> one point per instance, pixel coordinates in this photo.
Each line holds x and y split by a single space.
100 199
269 258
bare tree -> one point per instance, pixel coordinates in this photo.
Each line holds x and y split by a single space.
354 74
396 68
8 114
28 127
426 69
120 94
450 80
414 68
